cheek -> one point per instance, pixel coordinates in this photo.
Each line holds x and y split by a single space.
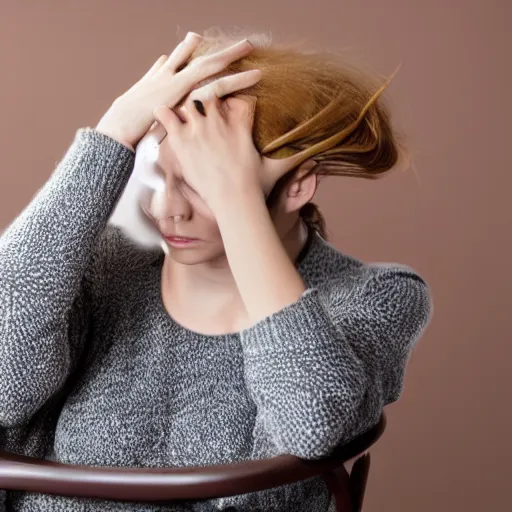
209 226
157 204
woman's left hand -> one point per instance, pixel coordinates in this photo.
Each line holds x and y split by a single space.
214 153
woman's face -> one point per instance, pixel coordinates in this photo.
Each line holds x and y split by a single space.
197 220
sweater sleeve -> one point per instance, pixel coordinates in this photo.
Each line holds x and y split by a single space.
47 257
321 369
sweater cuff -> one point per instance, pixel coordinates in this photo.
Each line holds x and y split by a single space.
301 324
102 161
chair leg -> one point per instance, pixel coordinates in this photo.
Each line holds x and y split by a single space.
357 481
338 484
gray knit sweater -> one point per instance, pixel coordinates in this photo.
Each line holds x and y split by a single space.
94 371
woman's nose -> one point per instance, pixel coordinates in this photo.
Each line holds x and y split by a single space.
171 203
178 205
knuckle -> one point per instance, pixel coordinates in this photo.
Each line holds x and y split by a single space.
190 74
196 61
193 95
189 101
217 89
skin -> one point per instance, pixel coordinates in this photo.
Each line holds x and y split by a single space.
242 270
217 180
204 274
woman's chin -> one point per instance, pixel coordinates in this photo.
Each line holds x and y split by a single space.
195 255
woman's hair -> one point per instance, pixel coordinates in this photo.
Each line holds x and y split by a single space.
315 102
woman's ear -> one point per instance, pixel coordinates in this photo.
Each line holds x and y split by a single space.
301 188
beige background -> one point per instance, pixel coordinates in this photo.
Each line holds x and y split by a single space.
447 445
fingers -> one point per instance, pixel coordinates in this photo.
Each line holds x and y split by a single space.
226 85
154 68
178 57
232 53
200 69
182 53
236 110
167 118
210 95
242 107
189 112
157 132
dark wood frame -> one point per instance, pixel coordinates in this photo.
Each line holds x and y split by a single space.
22 473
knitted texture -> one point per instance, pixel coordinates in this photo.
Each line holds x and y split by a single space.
94 371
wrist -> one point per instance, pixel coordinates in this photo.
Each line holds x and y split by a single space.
230 199
105 130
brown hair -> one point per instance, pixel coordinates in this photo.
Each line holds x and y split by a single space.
318 103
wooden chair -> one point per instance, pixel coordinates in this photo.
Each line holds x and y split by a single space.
22 473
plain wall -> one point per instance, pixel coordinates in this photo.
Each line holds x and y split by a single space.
446 446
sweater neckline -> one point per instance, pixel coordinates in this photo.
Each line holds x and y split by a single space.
168 320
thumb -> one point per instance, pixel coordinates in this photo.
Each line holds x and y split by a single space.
167 118
243 106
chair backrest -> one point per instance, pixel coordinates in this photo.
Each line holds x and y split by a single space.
23 473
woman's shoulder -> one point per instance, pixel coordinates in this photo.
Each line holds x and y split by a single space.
345 279
324 262
117 259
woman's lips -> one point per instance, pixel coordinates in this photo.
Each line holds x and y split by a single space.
180 241
179 238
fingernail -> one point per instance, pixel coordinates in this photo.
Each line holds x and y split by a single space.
247 41
191 35
199 107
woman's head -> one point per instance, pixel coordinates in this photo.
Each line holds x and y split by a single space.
314 103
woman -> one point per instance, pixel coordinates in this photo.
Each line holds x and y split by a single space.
250 338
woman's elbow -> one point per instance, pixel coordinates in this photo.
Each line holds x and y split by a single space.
331 421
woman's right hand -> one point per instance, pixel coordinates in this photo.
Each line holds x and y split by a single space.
131 115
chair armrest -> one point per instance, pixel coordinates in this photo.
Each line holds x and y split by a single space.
23 473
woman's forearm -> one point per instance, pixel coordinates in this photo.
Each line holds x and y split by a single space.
266 277
44 254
